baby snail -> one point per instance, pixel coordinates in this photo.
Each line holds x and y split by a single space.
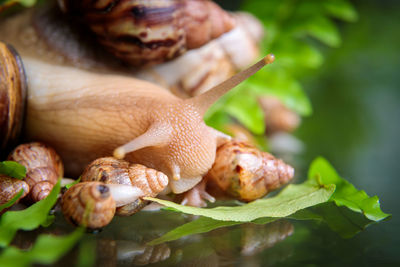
278 118
246 173
115 171
43 168
89 204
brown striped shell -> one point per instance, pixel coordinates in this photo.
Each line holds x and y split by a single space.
246 173
145 32
43 168
115 171
89 204
12 96
9 187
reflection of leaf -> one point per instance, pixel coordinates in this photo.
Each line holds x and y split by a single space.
288 201
46 250
25 3
12 169
27 219
11 201
343 211
346 194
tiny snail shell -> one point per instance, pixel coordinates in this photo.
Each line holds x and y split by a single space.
9 187
43 168
89 204
12 97
114 171
152 31
278 118
246 173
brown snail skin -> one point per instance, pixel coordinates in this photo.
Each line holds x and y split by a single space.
89 204
43 168
115 171
86 115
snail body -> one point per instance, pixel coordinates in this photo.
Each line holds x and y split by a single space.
86 115
114 171
43 168
89 204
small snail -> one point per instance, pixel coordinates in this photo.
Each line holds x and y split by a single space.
43 168
114 171
86 115
89 204
10 187
246 173
143 32
278 118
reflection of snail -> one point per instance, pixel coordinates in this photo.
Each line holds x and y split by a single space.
43 168
86 115
113 171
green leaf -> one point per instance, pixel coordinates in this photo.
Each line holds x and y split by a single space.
347 210
244 107
46 250
341 9
287 202
346 194
11 201
280 84
25 3
68 186
324 30
27 219
12 169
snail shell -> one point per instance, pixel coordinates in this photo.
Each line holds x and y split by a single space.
89 204
12 96
115 171
145 32
43 168
246 173
9 187
277 116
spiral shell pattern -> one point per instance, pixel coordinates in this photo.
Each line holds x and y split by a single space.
43 168
89 204
145 32
246 173
115 171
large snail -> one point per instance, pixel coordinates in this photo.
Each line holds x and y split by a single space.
86 115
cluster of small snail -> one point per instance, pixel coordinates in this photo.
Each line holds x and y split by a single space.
68 92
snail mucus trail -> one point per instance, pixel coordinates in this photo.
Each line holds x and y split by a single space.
85 116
